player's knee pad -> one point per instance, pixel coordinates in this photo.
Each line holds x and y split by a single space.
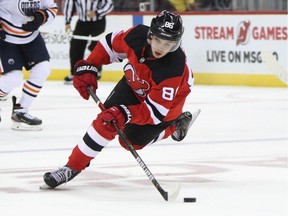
40 72
11 80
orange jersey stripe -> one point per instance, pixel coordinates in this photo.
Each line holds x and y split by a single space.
53 10
13 31
31 89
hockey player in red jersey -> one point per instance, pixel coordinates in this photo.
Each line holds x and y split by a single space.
146 103
21 45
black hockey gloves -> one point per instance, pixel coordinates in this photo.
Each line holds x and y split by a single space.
2 33
39 18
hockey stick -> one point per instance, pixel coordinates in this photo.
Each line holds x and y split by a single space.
167 196
69 36
1 68
273 65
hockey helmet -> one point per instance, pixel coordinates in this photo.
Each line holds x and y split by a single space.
167 26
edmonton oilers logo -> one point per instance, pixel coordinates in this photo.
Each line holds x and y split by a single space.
11 61
28 7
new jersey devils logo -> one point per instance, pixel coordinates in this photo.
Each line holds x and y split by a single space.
243 37
137 84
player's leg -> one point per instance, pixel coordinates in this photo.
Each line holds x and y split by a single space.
97 136
37 61
95 139
183 123
8 82
11 68
142 135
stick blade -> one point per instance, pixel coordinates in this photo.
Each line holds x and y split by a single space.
173 194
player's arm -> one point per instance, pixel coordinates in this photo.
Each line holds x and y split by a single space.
44 15
85 71
51 9
109 49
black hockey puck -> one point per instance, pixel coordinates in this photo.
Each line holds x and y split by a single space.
189 199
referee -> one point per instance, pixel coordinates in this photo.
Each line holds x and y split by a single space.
91 22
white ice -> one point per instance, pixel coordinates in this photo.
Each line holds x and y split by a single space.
233 160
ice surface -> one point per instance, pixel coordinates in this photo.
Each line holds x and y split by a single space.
233 160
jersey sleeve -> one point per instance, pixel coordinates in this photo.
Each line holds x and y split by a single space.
109 49
51 9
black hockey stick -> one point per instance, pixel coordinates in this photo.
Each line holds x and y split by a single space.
167 196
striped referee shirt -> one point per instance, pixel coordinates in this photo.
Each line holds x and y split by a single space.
101 7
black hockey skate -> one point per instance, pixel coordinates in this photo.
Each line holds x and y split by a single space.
68 80
57 177
183 123
22 120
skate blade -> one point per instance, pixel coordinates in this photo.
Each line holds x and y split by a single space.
25 127
194 116
45 187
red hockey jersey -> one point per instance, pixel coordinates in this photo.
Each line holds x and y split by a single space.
161 85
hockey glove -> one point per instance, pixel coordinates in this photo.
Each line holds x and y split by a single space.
39 18
117 114
2 33
85 74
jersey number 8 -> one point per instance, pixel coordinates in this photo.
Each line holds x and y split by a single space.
168 93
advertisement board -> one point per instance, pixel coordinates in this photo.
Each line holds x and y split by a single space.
221 49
